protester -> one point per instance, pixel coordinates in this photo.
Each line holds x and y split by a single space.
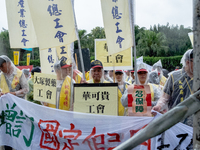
30 84
127 75
158 66
154 79
12 80
111 74
106 76
122 86
165 73
143 76
178 86
26 73
97 73
63 87
132 78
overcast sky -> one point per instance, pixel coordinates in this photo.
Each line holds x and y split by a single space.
147 12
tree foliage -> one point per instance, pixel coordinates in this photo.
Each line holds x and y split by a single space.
151 44
177 38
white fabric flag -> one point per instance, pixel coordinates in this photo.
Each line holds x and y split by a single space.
20 25
53 21
117 24
48 58
29 126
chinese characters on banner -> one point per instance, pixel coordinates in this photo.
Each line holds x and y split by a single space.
16 57
48 58
27 126
53 22
45 88
122 60
64 53
139 100
28 59
21 30
117 25
96 98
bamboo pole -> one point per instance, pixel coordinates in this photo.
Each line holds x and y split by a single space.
131 7
196 69
79 44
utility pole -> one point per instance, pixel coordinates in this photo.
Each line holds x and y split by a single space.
196 70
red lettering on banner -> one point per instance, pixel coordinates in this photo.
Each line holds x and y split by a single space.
71 145
77 132
148 143
117 137
94 140
48 139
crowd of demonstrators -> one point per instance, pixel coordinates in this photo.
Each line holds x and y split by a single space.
166 93
178 86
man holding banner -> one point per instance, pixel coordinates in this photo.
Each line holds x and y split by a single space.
12 80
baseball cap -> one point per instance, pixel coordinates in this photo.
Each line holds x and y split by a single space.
63 64
96 64
118 71
142 67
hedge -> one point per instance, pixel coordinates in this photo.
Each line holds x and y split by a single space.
168 63
32 62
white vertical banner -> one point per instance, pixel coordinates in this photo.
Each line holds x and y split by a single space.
64 53
48 58
117 25
53 21
20 25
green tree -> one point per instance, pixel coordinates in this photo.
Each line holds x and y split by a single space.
176 37
96 33
4 36
83 39
151 44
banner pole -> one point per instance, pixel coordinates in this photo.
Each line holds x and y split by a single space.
131 3
79 44
113 68
196 70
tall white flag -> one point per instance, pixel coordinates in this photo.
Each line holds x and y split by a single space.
117 25
53 21
20 26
